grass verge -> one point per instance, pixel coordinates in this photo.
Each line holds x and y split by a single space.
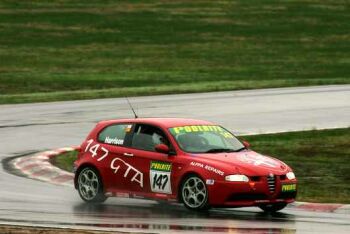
320 159
63 49
65 161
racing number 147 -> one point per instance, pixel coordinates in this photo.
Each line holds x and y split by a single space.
160 181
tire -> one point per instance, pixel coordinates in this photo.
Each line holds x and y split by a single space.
90 186
271 208
194 193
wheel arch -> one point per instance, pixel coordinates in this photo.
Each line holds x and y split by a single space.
80 168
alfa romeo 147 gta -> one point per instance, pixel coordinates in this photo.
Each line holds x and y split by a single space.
194 162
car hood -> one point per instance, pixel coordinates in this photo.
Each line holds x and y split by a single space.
245 162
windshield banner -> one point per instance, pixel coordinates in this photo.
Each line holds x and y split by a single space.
200 128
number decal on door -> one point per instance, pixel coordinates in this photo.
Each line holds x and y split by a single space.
160 181
160 177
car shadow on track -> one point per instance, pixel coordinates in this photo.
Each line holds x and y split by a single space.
150 215
132 208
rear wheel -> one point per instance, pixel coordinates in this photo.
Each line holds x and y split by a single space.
194 193
271 208
90 186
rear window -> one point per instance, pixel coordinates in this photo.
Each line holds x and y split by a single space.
114 134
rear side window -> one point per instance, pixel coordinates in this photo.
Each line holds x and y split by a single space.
114 134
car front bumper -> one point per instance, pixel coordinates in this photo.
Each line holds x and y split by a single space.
241 194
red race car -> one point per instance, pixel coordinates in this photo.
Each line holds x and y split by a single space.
191 161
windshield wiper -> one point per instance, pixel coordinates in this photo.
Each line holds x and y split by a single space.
240 149
226 150
219 150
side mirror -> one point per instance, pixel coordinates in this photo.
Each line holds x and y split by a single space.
246 144
162 148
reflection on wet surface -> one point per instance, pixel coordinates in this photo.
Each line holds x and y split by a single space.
158 227
160 217
168 210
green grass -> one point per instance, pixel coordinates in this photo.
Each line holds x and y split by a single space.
65 161
320 160
71 49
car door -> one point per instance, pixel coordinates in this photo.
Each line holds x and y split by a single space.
156 168
115 169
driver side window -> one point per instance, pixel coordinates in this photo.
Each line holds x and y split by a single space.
146 137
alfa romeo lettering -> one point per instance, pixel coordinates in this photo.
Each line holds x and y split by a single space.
208 168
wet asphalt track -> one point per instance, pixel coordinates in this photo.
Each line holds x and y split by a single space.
32 127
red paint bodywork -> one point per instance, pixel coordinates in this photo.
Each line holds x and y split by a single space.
221 194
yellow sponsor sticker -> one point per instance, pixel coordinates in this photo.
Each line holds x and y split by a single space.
160 166
201 128
289 187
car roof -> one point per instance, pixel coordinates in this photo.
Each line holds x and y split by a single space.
162 122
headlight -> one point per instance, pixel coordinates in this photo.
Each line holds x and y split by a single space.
237 178
290 175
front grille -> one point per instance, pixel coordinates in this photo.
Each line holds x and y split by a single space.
271 183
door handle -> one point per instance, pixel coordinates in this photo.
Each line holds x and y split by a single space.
128 155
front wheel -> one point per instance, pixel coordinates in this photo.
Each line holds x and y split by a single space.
194 193
271 208
90 186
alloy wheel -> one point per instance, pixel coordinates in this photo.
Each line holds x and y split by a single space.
194 193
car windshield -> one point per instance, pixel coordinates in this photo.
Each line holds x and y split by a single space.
206 139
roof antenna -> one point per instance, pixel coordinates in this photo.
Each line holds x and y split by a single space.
131 108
